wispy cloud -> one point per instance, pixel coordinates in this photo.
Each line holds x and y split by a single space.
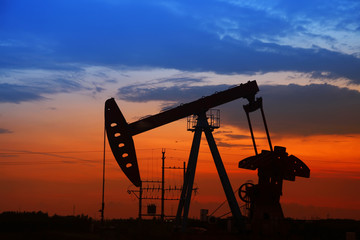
15 93
4 130
228 144
237 136
176 90
12 93
299 24
66 158
22 85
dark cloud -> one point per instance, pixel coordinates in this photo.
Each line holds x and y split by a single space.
180 80
304 110
3 130
180 90
231 135
62 155
99 89
65 85
291 109
113 80
323 75
16 93
237 136
231 145
11 93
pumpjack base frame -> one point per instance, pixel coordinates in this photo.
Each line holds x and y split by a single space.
184 203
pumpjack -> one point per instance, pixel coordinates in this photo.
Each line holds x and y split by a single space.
273 166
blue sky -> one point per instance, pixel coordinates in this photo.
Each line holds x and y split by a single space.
220 36
50 47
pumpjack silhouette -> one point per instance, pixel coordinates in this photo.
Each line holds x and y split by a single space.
273 166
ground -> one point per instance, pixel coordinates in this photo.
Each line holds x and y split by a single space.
38 225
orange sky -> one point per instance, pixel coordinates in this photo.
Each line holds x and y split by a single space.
54 164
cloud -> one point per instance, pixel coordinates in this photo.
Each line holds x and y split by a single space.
225 37
3 130
300 24
12 93
231 135
17 93
62 155
227 144
237 136
22 85
305 110
290 109
179 90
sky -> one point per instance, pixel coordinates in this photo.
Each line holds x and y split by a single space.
60 60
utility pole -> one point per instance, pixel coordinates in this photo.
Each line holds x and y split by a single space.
103 183
162 185
184 167
140 199
142 193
